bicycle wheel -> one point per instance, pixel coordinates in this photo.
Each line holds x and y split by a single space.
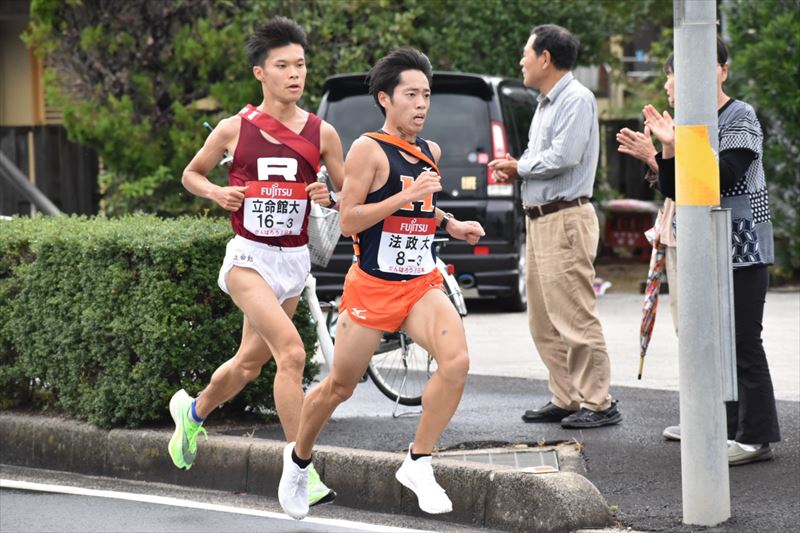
401 368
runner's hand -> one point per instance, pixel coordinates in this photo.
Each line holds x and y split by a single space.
465 230
319 193
229 198
425 185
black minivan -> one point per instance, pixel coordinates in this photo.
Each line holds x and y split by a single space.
474 119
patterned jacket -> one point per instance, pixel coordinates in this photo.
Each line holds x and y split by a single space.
752 241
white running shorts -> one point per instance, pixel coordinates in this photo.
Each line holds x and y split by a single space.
284 269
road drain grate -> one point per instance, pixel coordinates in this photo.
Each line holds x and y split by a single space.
526 460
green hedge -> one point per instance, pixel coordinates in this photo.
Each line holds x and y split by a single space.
105 319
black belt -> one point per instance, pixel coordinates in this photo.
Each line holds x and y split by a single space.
547 209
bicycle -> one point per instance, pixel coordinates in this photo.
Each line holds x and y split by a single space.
400 368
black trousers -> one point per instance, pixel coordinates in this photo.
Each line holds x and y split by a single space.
754 418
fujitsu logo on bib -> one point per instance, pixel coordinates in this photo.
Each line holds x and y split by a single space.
409 225
413 227
275 190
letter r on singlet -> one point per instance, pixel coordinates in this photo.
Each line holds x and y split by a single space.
277 166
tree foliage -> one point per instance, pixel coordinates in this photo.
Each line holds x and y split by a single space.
137 79
765 67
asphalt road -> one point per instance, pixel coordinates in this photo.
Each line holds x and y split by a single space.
62 502
44 511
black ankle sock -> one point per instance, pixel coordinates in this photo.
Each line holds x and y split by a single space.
302 463
415 456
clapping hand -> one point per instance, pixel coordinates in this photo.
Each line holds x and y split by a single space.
661 125
505 168
638 145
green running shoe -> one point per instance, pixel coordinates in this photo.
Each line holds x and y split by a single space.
183 444
318 492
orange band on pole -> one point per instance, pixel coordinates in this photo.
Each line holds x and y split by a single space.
696 168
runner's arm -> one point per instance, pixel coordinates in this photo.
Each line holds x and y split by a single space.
468 230
364 163
331 152
332 155
194 175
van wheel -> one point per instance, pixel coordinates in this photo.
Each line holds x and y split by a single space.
518 300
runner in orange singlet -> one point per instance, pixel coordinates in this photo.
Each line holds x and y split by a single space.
389 204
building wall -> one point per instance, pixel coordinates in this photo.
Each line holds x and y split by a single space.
31 135
21 98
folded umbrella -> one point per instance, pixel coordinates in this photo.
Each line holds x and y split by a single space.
653 288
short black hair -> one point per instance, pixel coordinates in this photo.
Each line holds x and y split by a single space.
275 33
385 75
722 57
562 45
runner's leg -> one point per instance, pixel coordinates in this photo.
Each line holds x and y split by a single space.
354 347
435 325
232 376
257 301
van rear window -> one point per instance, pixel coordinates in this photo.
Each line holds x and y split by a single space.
352 116
459 123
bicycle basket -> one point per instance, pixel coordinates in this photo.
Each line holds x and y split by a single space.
323 234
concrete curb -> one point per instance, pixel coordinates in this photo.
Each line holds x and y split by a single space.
482 496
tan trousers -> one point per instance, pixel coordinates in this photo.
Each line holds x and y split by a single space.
562 313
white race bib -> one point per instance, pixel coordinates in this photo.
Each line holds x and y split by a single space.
274 209
406 244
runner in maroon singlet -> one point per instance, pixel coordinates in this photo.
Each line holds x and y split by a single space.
271 186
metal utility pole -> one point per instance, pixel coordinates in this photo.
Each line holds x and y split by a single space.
704 303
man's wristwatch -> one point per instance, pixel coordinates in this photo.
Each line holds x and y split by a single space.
445 219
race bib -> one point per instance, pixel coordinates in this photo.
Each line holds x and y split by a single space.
405 246
274 209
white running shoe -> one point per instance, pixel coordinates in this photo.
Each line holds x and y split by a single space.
293 488
417 476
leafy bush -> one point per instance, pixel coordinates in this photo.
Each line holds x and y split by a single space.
105 319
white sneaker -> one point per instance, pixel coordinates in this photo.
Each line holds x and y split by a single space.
417 476
741 454
293 488
672 433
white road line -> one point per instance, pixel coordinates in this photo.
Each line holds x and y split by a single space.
177 502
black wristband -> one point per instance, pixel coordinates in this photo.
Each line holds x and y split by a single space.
445 220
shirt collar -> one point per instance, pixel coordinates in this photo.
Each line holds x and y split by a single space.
557 89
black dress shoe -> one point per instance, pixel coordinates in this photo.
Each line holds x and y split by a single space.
549 413
585 418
